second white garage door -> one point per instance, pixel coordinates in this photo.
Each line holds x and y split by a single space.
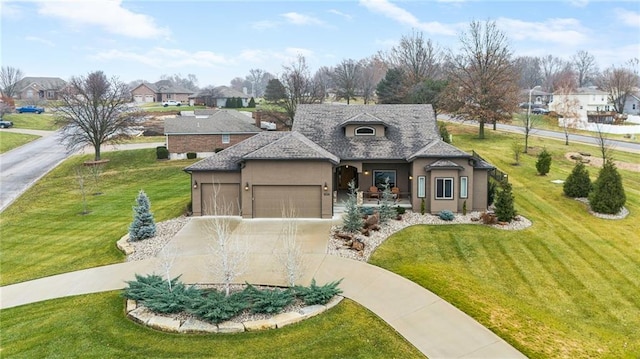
268 201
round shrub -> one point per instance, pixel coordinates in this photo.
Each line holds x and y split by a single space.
191 155
577 184
162 153
446 215
608 194
543 164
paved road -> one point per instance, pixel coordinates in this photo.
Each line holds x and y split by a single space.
591 140
23 166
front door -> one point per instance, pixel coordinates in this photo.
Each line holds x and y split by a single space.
344 175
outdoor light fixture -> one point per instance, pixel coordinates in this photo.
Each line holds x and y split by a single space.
410 177
366 172
326 188
195 184
246 186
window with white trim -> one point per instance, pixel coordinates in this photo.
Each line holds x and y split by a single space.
422 181
444 188
365 131
226 138
464 187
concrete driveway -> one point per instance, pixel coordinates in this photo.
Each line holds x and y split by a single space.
435 327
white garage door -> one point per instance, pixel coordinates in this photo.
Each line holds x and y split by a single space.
137 98
148 98
269 201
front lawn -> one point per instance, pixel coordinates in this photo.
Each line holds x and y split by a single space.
44 231
566 287
44 121
94 326
11 140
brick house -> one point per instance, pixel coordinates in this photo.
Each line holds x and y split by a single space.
160 91
39 88
207 134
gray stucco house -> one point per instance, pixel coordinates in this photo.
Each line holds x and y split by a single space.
310 167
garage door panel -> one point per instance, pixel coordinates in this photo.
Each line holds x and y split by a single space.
269 201
225 202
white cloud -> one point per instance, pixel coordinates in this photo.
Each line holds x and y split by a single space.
265 25
402 16
564 31
10 10
628 17
107 14
163 58
301 19
40 40
340 13
579 3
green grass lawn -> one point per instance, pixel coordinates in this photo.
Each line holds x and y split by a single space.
32 121
567 287
44 232
10 140
94 326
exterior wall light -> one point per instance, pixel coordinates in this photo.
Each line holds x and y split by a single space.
366 172
410 178
326 188
246 186
195 184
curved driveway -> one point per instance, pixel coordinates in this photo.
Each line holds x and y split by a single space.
432 325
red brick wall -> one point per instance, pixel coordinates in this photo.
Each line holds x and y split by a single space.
201 143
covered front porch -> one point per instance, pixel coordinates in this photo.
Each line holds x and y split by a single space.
341 196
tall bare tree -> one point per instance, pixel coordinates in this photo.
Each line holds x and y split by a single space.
190 82
346 77
9 77
529 69
300 87
568 106
551 68
93 110
585 66
418 58
323 80
373 71
258 78
483 83
291 257
619 83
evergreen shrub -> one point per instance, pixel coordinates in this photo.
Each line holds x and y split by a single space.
143 225
543 164
505 210
162 153
315 294
608 195
578 184
446 215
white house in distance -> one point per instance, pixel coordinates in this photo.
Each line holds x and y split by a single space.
589 100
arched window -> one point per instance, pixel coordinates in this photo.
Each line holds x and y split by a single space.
365 131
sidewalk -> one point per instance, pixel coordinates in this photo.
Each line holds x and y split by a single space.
432 325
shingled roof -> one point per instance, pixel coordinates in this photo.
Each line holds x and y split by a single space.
45 83
292 146
219 122
409 128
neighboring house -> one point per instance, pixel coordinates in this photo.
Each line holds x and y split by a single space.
309 168
632 104
39 88
217 97
160 91
538 98
590 101
207 134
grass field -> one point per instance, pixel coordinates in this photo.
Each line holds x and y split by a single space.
94 326
32 121
566 287
9 140
43 232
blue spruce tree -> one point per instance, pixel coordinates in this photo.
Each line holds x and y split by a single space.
143 225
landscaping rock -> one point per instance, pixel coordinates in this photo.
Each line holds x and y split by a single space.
141 315
164 324
131 305
284 319
334 301
230 327
254 325
312 310
193 325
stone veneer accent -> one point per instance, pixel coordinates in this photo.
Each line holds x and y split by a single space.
144 316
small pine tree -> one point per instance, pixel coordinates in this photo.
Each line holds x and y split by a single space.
608 193
505 211
386 210
578 183
239 102
228 103
444 133
352 221
143 225
543 164
252 103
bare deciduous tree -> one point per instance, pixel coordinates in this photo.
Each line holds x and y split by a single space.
551 67
346 77
619 82
299 86
291 257
529 69
9 77
482 80
418 58
373 71
190 82
229 254
258 79
584 64
167 257
94 110
568 107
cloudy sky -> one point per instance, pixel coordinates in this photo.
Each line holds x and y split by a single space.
220 40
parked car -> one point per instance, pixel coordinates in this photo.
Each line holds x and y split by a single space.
171 103
540 111
30 108
5 124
